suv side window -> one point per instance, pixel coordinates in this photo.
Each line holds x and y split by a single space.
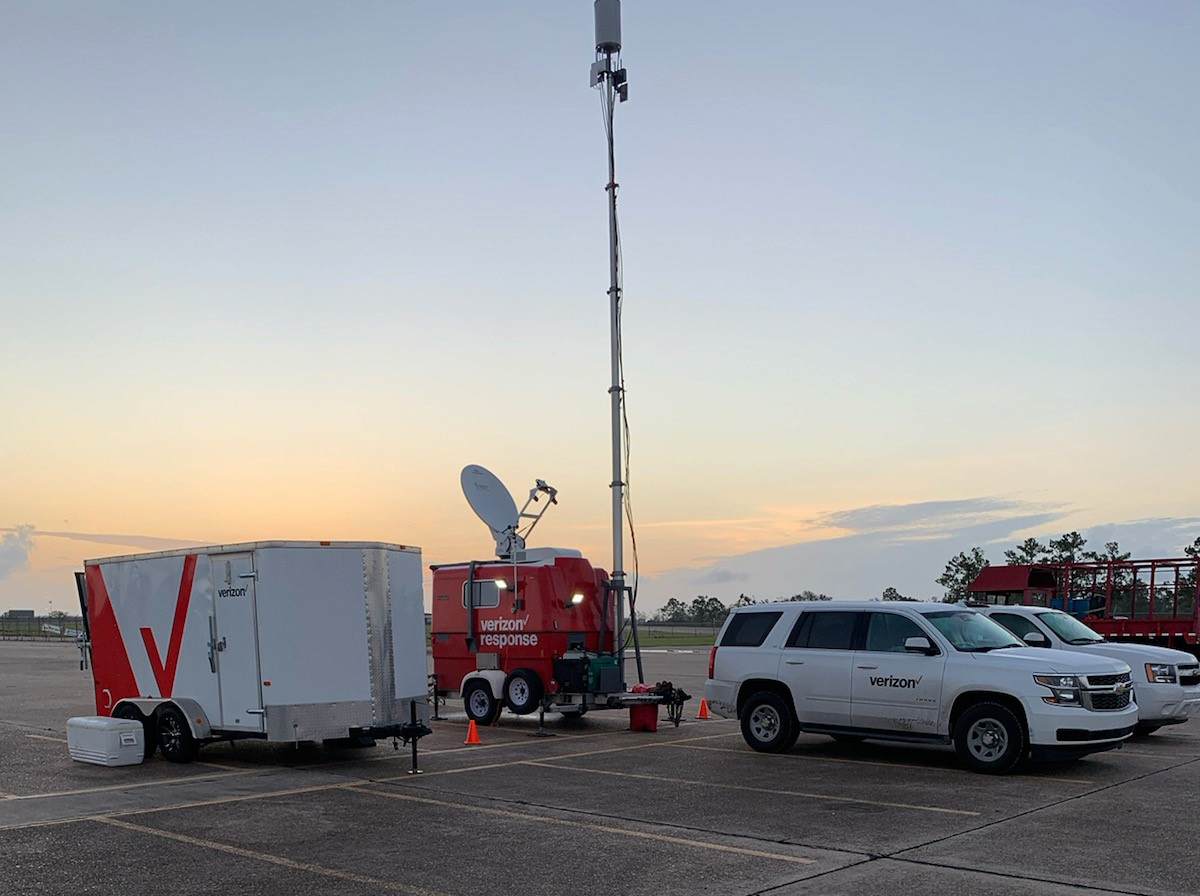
832 630
887 632
749 629
1018 625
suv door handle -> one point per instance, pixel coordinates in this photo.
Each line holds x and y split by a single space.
795 662
868 666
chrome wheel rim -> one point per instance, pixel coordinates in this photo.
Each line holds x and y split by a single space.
987 740
171 734
765 723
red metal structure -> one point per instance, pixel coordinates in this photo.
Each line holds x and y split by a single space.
1152 601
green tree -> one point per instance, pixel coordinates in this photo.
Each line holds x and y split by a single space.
1067 549
810 595
890 593
1193 549
1027 553
1112 554
708 610
744 600
674 610
960 572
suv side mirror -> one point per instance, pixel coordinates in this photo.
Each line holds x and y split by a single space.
1036 639
919 644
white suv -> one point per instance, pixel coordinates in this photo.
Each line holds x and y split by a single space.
931 673
1166 682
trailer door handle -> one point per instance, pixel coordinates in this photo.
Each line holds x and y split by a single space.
212 644
248 575
868 666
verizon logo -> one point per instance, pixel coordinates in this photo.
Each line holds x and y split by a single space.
887 681
231 592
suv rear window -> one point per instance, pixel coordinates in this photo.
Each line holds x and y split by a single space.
749 629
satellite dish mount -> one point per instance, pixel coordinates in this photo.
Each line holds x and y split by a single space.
494 505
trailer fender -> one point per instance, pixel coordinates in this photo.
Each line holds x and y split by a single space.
148 706
494 678
197 720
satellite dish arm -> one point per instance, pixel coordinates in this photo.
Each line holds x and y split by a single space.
539 488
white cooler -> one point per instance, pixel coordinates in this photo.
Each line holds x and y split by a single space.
104 741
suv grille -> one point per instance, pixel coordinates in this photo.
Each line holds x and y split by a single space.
1099 681
1110 702
1189 675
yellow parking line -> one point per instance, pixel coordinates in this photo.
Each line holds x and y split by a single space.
136 784
748 789
805 758
57 740
271 859
590 826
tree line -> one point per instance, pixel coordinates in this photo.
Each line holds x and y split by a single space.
961 570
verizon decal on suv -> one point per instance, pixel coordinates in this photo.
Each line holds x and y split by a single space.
916 672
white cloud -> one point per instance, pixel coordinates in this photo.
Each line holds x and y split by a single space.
15 546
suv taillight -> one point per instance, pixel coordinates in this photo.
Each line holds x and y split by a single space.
712 658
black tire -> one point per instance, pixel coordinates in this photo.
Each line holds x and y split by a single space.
149 734
522 691
482 708
848 738
767 722
1145 729
990 738
174 736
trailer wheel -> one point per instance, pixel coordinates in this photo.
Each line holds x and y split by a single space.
175 737
522 691
482 708
149 735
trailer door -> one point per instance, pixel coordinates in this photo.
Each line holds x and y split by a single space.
237 642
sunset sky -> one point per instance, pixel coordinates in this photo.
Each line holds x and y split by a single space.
900 279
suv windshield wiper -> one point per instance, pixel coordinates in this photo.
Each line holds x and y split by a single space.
1086 641
986 649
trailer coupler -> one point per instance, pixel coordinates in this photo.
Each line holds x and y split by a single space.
408 734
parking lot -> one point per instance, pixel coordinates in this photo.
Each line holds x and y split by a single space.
594 809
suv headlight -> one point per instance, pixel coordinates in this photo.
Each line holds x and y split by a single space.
1160 673
1064 689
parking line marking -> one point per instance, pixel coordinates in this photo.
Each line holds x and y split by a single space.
749 789
267 857
802 757
589 825
136 784
60 740
491 765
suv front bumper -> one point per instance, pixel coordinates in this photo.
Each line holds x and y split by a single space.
1069 732
1167 704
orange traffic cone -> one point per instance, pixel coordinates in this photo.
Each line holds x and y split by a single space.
472 734
703 713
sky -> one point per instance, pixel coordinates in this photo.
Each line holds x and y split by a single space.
899 279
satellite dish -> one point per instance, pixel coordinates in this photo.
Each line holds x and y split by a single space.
491 502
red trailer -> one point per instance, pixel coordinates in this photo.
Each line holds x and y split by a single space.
1148 601
535 628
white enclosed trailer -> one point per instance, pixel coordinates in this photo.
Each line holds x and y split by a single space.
283 640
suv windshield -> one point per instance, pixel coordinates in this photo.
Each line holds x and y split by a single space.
1069 628
972 632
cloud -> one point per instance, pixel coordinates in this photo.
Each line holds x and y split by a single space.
15 546
936 516
720 577
146 542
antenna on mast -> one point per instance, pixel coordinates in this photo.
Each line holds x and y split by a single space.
609 76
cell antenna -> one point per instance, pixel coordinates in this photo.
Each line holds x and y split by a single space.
609 76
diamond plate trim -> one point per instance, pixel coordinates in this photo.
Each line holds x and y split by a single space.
377 598
316 721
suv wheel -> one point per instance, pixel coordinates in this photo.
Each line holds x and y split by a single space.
989 738
767 723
